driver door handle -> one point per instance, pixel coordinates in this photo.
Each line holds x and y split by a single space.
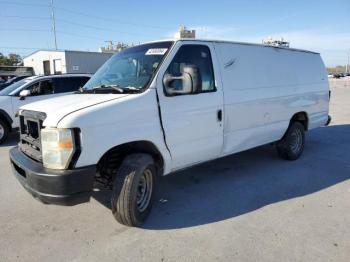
219 115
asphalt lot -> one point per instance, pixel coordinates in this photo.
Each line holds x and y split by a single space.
251 206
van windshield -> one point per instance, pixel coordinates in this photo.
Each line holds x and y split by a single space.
129 70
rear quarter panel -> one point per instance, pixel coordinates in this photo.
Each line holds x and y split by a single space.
264 87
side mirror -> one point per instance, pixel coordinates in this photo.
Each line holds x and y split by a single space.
190 81
23 94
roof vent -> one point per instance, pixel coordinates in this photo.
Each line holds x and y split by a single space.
275 42
185 33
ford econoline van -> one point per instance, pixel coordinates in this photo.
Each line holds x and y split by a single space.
164 106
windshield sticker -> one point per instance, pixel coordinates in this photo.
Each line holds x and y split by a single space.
156 51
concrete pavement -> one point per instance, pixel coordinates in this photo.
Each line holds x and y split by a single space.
251 206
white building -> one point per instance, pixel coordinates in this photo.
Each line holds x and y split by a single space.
46 62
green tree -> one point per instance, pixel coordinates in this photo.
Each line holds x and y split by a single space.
10 60
2 59
337 69
14 59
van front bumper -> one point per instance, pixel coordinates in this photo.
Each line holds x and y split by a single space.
62 187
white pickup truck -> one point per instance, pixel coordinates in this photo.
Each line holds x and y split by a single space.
163 106
32 89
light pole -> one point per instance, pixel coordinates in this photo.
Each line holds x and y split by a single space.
347 64
53 23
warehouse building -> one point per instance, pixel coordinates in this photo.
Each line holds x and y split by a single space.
47 62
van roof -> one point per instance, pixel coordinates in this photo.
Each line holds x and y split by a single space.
234 42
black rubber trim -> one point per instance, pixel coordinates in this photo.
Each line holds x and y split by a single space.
77 152
329 120
161 123
63 187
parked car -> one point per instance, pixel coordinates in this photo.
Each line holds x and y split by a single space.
160 107
11 81
11 71
31 89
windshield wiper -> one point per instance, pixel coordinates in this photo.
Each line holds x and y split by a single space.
109 88
102 89
131 89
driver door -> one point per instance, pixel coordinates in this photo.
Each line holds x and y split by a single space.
193 123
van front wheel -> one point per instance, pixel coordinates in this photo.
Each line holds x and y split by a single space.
291 146
133 189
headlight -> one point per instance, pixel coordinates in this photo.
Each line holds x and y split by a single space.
58 147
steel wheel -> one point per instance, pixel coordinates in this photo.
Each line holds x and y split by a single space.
296 141
133 189
144 190
291 146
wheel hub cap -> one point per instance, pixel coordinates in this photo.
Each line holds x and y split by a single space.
144 190
296 141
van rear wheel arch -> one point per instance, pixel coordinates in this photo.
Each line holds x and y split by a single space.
301 117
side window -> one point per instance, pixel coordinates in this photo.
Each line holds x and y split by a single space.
81 81
41 88
199 56
34 89
69 84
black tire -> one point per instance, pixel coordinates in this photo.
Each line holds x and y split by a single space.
4 131
130 206
291 146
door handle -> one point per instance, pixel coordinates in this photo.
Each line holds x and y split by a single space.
219 115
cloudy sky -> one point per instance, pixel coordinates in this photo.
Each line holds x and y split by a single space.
322 26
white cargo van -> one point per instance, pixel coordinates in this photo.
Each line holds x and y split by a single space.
164 106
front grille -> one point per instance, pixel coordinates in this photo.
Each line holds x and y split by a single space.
33 129
31 123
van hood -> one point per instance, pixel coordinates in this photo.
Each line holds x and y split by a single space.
58 107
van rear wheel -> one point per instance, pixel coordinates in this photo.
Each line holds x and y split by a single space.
133 189
4 131
291 146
